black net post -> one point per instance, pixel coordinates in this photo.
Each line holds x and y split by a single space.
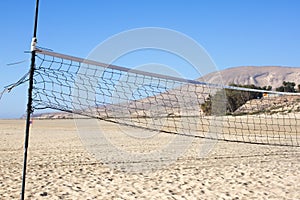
29 102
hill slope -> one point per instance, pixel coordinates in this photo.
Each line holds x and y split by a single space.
260 76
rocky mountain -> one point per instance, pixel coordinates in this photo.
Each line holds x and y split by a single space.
259 76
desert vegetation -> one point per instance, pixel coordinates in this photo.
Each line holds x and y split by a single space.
227 101
288 87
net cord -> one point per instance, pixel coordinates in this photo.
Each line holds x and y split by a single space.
115 67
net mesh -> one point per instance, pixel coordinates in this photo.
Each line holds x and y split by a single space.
163 103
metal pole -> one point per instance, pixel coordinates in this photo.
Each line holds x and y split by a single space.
29 102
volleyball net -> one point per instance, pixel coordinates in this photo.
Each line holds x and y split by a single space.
163 103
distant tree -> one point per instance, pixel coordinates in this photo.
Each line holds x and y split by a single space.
287 87
229 100
267 87
280 89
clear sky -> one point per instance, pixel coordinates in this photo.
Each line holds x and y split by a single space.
233 32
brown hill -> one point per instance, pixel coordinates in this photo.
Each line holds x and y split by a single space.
271 105
260 76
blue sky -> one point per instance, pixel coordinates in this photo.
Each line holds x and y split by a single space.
233 32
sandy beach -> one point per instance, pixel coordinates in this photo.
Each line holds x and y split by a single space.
61 167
